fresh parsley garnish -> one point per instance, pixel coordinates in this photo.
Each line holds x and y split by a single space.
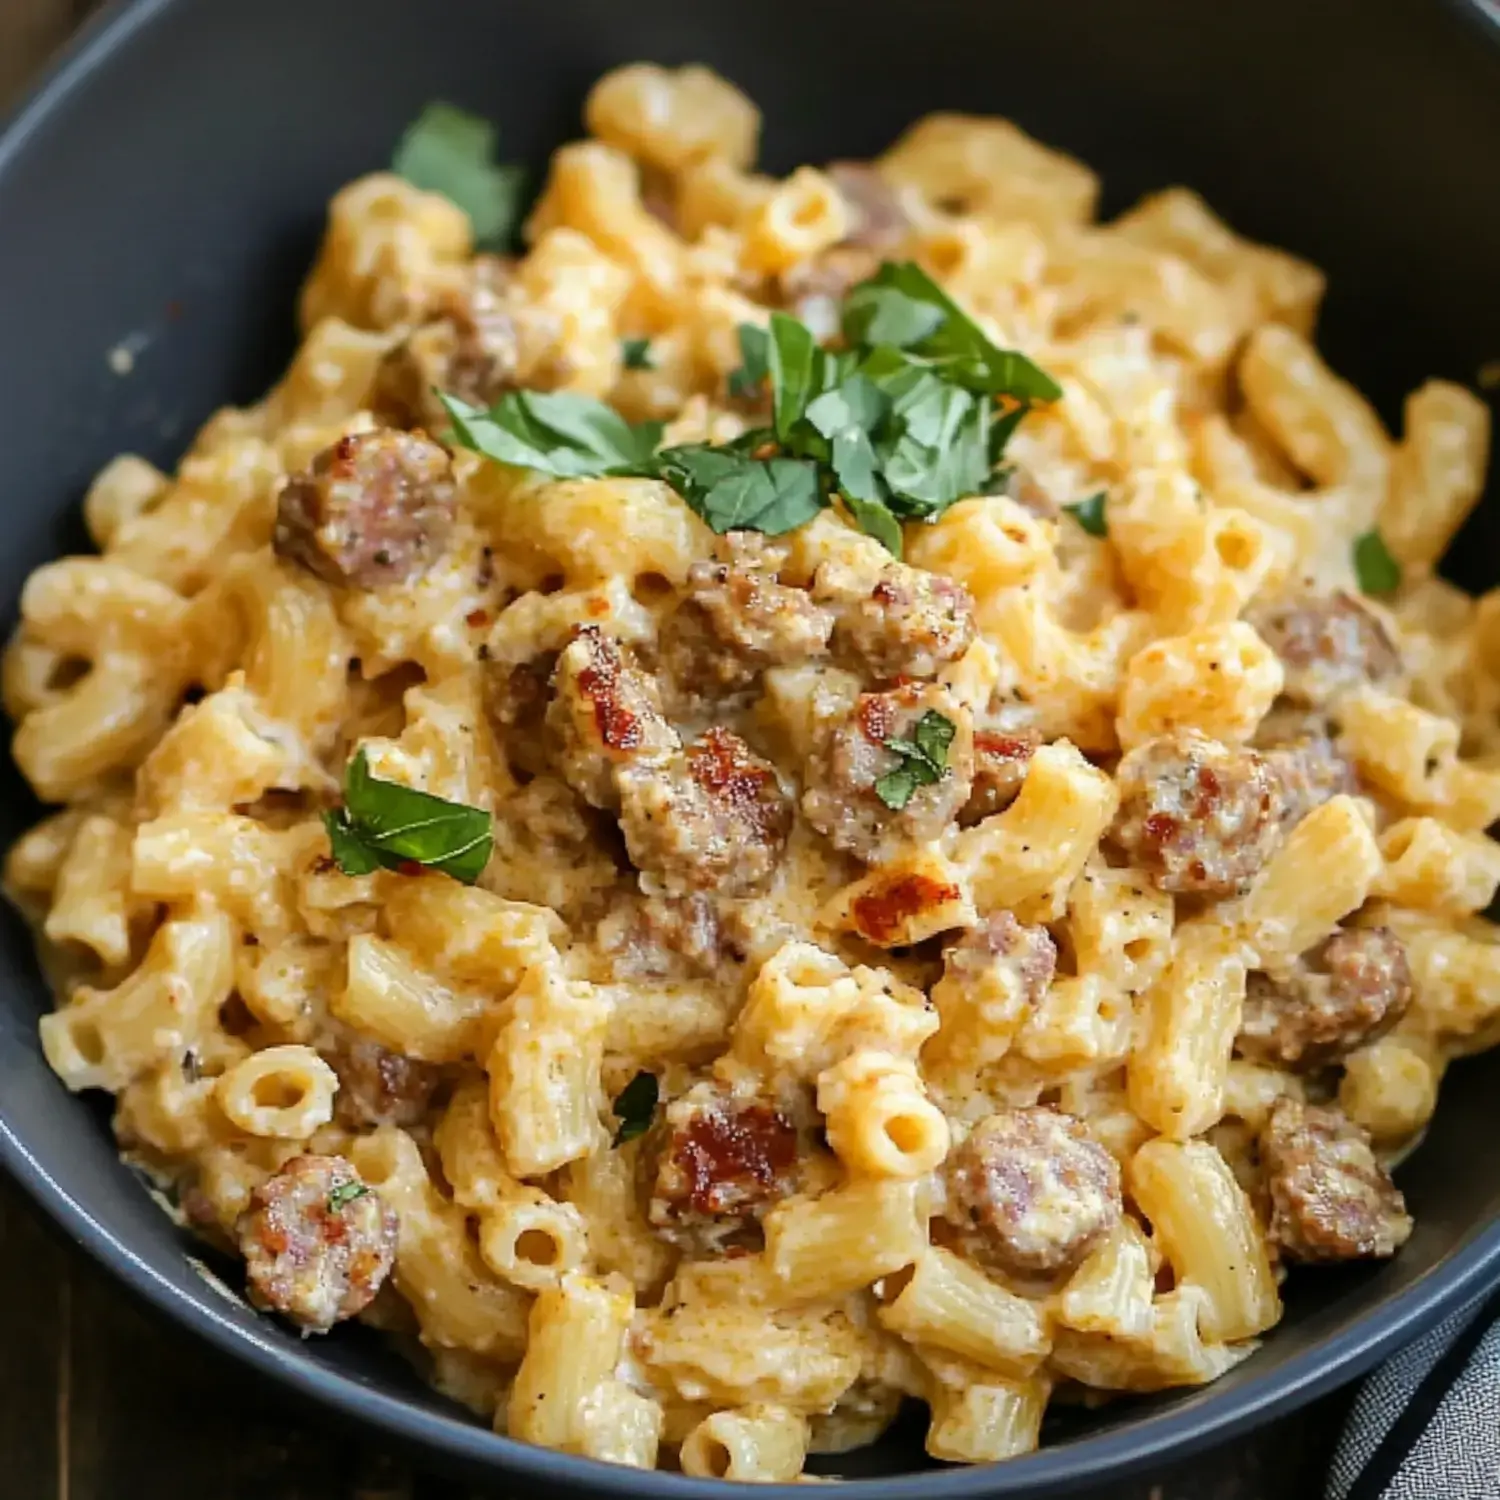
1090 514
755 353
636 354
344 1194
384 825
1378 572
449 151
635 1106
911 416
924 760
558 433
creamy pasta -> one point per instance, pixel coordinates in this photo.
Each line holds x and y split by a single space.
720 840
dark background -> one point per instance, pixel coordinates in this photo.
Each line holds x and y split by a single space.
100 1402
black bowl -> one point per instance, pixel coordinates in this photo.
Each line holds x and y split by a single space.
164 193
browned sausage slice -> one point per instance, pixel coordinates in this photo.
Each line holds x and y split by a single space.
1328 645
1343 994
1198 817
1331 1199
1031 1192
318 1243
910 623
721 1163
374 509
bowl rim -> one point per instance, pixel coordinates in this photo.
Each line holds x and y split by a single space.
1462 1277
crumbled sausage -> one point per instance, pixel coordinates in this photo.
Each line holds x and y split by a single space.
1001 762
660 937
1031 1192
738 619
467 348
840 799
376 1086
517 695
878 222
1199 817
1328 644
317 1242
720 1163
814 289
374 509
711 817
909 624
1330 1198
1024 956
1310 770
1346 992
607 713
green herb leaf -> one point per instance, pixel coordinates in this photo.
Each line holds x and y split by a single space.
1378 572
924 760
449 151
956 342
635 1106
937 451
344 1194
1003 428
733 492
383 824
1090 514
795 367
557 433
876 520
755 354
877 314
636 353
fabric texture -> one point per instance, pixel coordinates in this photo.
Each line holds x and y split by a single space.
1426 1424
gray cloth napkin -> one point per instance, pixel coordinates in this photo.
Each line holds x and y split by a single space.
1426 1424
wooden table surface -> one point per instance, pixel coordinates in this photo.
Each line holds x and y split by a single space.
100 1401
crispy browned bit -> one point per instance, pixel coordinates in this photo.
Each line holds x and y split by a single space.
839 797
712 817
374 509
910 623
1331 1199
467 347
882 913
606 713
1328 645
720 1163
1343 994
1001 762
317 1242
1031 1193
1198 817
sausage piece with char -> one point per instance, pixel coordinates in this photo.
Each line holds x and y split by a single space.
372 510
318 1243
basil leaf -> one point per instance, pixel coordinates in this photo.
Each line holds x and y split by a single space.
875 520
557 433
941 453
875 314
383 823
345 1193
755 354
733 492
635 1106
449 151
856 402
924 760
636 354
934 734
895 788
1378 572
956 341
1090 514
1003 428
795 367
